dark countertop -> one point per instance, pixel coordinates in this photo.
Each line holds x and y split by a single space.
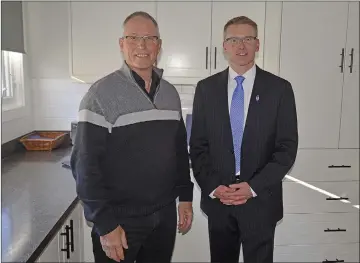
36 192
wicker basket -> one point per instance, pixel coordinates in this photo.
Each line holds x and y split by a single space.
43 141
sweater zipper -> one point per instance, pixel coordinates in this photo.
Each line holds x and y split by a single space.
156 92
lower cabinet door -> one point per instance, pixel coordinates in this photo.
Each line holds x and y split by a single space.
76 235
64 246
51 252
322 228
317 253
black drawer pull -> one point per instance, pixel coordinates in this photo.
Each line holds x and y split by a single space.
339 166
351 60
206 57
67 243
71 228
340 198
215 53
335 230
331 261
342 60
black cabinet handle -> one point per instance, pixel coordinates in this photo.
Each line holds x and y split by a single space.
207 57
333 261
215 58
339 198
334 230
71 228
351 60
339 166
67 248
342 60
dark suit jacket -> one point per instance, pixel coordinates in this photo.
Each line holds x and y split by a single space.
269 143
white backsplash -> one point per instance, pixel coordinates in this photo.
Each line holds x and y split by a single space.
56 102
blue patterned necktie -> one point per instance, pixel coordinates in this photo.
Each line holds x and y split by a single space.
237 120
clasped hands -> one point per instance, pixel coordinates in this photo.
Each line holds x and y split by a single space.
234 194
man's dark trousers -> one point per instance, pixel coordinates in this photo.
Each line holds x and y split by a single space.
150 238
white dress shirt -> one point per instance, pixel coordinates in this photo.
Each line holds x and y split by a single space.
248 85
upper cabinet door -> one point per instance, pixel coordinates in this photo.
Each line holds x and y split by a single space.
95 31
349 132
224 11
312 39
186 38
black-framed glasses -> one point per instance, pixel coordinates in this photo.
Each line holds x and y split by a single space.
137 39
238 40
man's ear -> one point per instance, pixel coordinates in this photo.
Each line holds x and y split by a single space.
160 44
121 44
257 45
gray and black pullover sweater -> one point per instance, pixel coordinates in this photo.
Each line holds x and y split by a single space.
130 153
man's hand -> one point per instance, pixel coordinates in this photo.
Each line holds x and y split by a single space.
242 192
113 244
222 192
185 216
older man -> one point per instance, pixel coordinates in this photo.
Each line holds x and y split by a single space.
130 156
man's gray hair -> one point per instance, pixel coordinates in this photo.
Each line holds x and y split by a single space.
144 15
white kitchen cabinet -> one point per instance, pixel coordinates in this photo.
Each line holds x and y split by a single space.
88 246
195 48
300 199
349 131
192 48
71 241
52 251
313 36
326 165
46 34
76 223
186 38
347 252
67 244
222 12
318 228
345 190
95 29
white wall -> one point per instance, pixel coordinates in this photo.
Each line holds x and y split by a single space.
56 96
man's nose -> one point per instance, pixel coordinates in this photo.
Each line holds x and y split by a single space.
241 45
141 43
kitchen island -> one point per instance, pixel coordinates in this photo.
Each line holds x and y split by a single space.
38 195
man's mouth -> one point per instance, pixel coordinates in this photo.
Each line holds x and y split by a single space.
142 55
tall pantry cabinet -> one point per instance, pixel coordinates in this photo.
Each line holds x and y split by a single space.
319 56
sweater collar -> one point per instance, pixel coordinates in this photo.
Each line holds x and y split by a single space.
126 70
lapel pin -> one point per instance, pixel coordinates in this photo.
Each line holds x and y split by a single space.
257 97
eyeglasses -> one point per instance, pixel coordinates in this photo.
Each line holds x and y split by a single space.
238 40
137 39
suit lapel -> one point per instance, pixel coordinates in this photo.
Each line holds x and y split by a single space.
224 108
252 125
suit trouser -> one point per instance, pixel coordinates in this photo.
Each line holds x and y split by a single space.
229 229
150 238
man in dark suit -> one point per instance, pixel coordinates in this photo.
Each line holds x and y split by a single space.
244 140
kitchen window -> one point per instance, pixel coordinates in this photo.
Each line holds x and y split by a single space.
12 80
